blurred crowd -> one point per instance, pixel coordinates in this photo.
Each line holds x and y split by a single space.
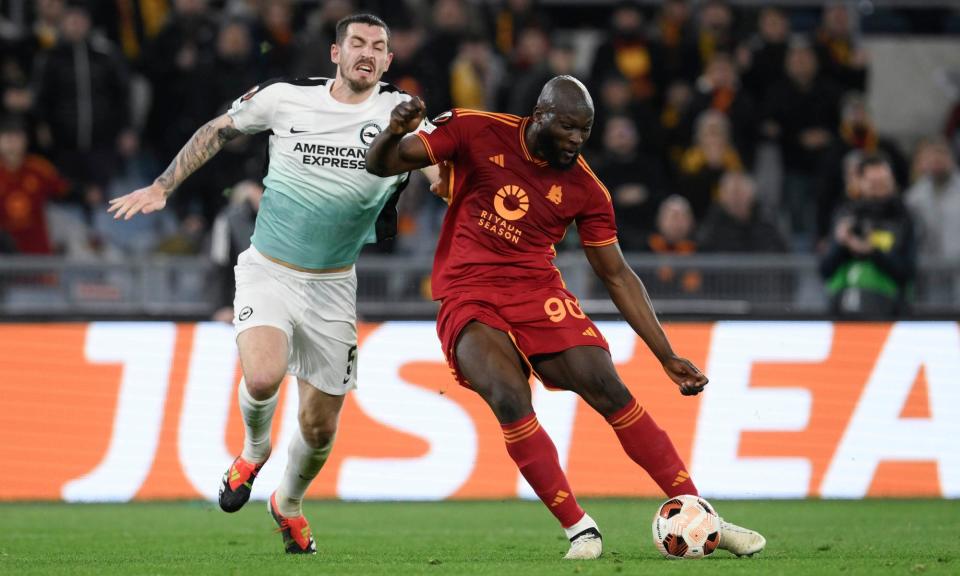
719 128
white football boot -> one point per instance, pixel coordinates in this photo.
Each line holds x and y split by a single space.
740 541
585 540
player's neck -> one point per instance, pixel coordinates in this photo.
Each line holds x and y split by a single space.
342 92
530 138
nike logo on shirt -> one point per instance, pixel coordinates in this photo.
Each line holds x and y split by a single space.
294 131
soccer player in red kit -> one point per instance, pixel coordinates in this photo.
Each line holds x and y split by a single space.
514 186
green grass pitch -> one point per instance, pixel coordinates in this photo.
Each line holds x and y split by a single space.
496 538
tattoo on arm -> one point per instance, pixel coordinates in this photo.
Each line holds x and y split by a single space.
202 146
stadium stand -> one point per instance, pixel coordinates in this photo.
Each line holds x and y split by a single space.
690 94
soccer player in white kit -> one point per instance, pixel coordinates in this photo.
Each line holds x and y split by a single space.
295 304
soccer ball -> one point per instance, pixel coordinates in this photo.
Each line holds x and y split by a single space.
686 527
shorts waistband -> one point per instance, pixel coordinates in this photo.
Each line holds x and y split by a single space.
262 260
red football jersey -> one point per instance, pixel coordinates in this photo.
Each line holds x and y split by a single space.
507 208
23 199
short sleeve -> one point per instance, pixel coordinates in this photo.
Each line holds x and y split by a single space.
253 112
596 222
442 136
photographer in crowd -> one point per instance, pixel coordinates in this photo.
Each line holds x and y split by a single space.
872 257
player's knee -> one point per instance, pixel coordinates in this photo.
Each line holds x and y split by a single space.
318 430
605 392
262 384
510 403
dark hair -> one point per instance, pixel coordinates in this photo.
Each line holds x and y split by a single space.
871 160
370 19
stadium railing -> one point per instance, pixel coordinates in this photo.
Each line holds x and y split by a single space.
42 287
395 287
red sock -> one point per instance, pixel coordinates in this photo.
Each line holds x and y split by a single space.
536 457
650 447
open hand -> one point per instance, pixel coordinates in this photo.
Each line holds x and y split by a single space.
687 376
407 116
146 200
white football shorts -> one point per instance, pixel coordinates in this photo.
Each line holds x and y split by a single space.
317 312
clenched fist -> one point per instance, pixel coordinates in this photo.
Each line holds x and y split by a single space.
685 375
407 116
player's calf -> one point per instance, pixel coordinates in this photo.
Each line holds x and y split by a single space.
257 418
535 455
649 446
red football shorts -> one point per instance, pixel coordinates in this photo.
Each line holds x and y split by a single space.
539 321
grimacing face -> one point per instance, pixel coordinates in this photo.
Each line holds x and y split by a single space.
363 56
562 136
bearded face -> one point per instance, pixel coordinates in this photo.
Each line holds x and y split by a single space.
562 136
363 56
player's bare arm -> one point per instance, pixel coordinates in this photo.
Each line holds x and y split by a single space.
631 298
432 173
395 151
202 146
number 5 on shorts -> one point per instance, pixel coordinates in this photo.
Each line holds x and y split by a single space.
557 309
351 363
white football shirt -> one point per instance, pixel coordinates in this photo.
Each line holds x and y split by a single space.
320 205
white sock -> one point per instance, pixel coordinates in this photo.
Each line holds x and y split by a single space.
303 465
257 420
583 524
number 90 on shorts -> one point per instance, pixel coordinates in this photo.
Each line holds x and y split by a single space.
557 309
